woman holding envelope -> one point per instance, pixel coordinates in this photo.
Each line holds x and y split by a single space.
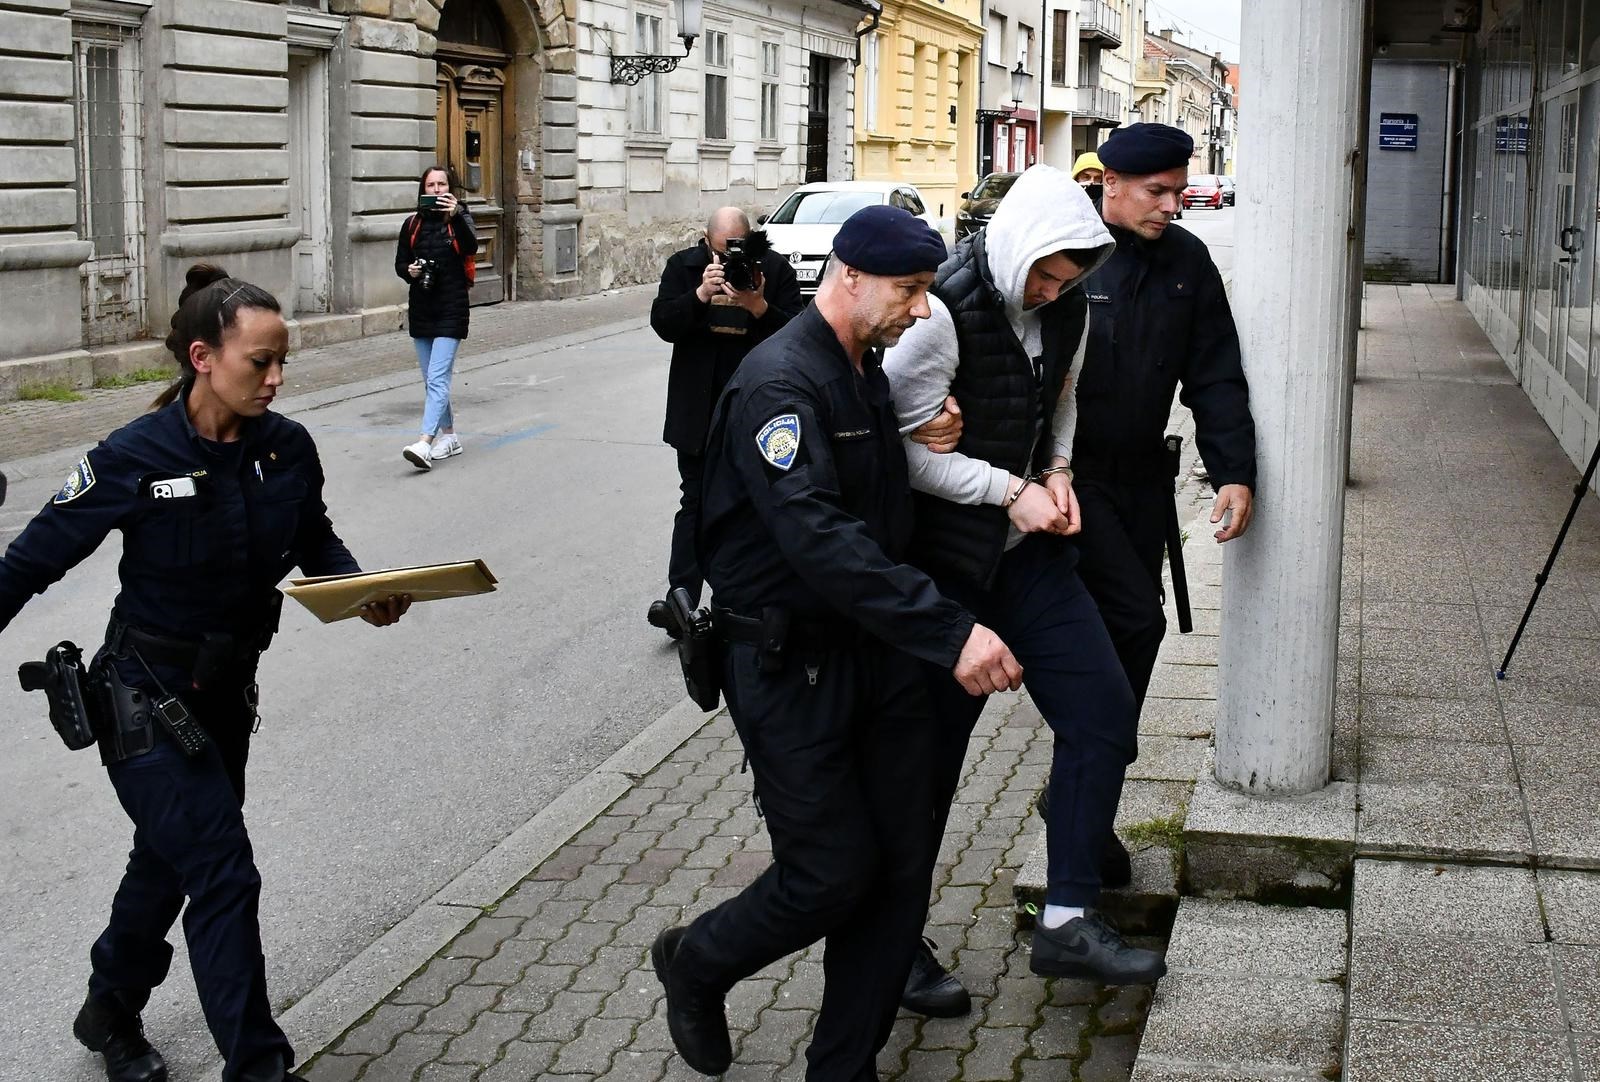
217 498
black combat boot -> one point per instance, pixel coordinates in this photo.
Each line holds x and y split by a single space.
107 1026
1088 948
931 989
695 1017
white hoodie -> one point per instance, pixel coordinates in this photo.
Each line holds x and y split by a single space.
1045 212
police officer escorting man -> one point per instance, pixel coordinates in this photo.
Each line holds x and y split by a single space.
217 498
993 517
712 323
805 522
1158 320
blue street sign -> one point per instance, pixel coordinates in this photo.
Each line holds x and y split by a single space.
1397 131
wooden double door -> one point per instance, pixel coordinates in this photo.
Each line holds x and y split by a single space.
471 141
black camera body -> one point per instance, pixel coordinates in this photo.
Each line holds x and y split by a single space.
741 263
425 278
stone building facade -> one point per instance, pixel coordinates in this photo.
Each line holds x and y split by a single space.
285 142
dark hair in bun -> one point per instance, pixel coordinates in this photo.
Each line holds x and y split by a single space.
209 304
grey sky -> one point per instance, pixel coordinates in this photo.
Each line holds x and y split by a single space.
1211 25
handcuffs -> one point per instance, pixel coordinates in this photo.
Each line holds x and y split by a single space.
1035 478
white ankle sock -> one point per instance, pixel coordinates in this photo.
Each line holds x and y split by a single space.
1057 915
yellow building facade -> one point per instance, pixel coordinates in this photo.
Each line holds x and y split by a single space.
916 99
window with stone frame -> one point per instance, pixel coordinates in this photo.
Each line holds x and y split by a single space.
647 108
771 69
715 110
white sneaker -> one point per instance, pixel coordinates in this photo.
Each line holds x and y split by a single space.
444 446
419 454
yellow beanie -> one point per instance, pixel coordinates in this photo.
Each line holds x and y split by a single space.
1087 160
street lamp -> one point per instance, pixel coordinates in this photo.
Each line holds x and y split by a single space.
629 69
1019 88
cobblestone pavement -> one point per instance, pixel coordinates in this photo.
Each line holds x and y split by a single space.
554 982
36 427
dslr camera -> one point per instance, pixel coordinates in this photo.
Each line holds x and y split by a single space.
742 261
425 279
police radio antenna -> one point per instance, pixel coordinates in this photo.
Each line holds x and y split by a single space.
1578 491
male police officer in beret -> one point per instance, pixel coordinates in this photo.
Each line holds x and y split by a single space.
1158 319
805 519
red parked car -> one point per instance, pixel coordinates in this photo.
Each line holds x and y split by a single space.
1204 190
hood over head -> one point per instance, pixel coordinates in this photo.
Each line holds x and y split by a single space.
1045 212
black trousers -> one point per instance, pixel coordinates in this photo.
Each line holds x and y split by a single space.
1040 608
1120 550
843 776
190 844
683 566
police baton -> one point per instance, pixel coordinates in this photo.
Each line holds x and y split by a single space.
1180 579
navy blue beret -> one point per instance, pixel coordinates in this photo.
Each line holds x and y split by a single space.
1146 148
888 241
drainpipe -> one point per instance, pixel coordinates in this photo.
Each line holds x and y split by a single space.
873 16
1447 205
1044 35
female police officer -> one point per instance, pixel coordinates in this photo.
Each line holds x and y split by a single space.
217 498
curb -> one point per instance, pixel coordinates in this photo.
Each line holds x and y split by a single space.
320 1016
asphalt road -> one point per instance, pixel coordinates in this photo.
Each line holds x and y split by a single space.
1215 227
388 759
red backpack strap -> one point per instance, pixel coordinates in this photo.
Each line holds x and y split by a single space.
415 222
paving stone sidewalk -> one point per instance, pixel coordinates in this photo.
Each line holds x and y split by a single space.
554 982
40 426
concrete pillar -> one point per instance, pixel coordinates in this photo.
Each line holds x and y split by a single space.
1280 595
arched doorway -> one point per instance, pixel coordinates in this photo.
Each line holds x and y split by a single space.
473 115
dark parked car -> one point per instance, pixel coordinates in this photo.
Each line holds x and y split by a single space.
1227 189
981 202
1204 190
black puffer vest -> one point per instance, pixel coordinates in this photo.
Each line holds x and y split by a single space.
1001 406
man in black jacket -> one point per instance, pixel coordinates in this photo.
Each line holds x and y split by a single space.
712 323
1158 319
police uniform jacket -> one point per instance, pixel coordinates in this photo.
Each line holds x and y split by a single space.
443 311
1158 317
807 505
703 359
191 564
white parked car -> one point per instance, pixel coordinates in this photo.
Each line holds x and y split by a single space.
803 226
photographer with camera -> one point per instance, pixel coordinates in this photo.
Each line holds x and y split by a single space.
717 302
434 256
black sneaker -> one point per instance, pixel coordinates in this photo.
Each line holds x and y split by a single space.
695 1018
1088 948
660 615
931 989
1116 865
108 1027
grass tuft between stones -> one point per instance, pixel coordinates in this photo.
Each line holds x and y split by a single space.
55 391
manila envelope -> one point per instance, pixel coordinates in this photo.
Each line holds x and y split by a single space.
339 597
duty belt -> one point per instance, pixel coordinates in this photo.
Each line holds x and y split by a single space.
798 633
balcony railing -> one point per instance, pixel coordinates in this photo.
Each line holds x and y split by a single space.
1099 22
1097 105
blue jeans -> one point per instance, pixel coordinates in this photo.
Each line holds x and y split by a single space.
437 356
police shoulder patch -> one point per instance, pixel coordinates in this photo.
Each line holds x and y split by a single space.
79 481
779 440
